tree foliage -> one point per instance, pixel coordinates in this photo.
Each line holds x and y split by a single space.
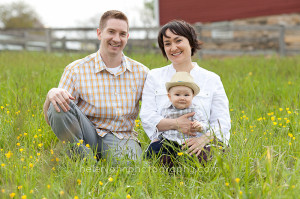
19 15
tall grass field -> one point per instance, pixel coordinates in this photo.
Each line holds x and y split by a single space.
262 161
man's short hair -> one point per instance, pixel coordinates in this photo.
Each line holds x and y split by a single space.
112 14
181 28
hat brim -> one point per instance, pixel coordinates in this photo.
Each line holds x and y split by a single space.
193 86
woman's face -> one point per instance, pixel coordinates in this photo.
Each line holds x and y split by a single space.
177 48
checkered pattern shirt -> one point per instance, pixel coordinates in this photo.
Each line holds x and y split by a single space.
169 111
110 101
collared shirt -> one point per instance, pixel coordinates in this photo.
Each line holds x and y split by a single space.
212 100
110 101
169 111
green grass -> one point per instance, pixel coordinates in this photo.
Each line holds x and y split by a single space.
263 161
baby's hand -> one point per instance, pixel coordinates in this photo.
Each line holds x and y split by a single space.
197 125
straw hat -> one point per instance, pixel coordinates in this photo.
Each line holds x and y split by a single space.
183 79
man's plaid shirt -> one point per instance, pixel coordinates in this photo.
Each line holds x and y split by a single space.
110 101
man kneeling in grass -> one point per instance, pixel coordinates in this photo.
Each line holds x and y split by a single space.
97 100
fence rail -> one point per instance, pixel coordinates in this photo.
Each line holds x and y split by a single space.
218 40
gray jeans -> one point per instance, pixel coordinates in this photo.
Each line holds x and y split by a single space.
74 127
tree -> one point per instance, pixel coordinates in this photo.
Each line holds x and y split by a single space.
19 15
147 14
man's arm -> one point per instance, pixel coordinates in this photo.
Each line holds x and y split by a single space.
57 96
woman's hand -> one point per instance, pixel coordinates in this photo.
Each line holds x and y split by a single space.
195 145
184 125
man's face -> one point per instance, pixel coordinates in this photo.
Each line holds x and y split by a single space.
113 37
181 96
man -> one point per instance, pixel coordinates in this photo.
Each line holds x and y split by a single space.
105 88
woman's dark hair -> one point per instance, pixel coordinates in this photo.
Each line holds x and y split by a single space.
182 28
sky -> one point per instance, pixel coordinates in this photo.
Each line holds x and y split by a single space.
78 13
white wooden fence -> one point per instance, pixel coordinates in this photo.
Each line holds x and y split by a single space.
218 40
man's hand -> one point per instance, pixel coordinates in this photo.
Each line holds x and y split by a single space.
184 125
61 97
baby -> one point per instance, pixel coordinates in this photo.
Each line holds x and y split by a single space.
181 91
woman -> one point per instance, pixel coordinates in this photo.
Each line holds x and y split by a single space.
178 43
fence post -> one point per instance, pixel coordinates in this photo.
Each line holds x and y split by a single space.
48 39
25 35
282 49
198 27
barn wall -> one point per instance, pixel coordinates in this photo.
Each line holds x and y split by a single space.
221 10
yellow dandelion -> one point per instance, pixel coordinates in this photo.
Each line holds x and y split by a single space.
226 184
128 196
51 151
30 157
57 159
78 144
40 145
61 193
294 138
289 112
32 115
75 197
237 180
23 197
180 153
87 145
280 109
272 118
48 186
220 147
110 179
2 107
274 123
24 167
290 143
78 181
38 154
272 113
290 135
287 109
241 192
3 190
7 112
53 168
8 154
39 130
30 165
22 159
81 141
100 183
35 136
31 191
293 186
2 165
181 183
25 134
20 187
18 144
12 195
21 150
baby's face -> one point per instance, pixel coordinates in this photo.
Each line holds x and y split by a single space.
181 96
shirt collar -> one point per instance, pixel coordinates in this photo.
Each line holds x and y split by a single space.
100 65
169 105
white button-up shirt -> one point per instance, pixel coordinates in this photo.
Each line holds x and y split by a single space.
212 99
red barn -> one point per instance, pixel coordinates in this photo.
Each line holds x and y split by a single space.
203 11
